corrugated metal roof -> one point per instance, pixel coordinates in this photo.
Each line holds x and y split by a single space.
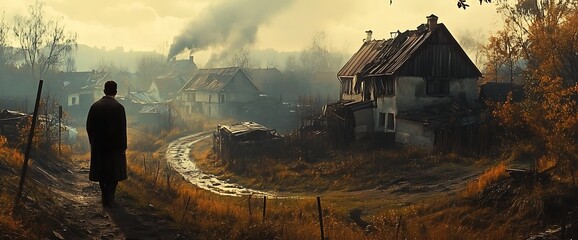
386 57
367 53
143 98
396 52
211 79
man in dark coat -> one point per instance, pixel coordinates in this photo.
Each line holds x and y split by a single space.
106 128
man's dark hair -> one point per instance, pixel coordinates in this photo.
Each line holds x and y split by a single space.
110 88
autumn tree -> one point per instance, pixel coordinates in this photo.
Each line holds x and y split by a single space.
44 43
546 39
502 51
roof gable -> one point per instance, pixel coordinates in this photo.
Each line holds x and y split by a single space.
391 57
167 84
214 79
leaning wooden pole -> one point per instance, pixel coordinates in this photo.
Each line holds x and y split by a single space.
320 217
29 145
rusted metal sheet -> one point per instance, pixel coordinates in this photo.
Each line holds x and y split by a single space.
412 53
245 139
367 53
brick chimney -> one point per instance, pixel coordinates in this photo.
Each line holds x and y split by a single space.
369 33
432 22
191 57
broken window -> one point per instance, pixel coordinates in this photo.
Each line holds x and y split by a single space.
347 86
390 122
437 86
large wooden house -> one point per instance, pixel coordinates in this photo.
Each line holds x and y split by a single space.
414 86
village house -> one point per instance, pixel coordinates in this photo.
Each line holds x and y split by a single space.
418 87
269 80
81 89
218 92
164 88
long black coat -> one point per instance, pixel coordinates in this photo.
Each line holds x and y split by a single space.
106 128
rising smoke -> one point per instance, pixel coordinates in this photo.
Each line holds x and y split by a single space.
228 24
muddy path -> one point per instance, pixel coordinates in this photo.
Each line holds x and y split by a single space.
405 186
74 210
178 158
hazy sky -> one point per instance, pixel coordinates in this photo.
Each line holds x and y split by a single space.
284 25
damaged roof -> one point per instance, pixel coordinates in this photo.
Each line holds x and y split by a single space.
243 127
438 49
213 79
363 56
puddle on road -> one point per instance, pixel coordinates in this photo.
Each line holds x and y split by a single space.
178 158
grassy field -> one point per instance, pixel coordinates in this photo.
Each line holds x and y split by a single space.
345 182
379 194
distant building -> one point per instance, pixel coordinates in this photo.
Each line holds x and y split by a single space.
413 86
218 92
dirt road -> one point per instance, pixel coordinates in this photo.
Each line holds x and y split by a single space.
404 186
75 211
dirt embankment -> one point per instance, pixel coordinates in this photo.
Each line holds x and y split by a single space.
60 203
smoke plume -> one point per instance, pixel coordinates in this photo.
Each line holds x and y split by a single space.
228 24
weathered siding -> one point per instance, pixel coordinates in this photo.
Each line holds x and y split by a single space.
464 89
414 133
364 122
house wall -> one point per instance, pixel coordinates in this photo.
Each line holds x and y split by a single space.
411 94
240 89
364 122
465 89
414 133
384 105
73 99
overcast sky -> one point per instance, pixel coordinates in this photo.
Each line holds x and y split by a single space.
284 25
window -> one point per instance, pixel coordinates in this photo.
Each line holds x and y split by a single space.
390 122
381 119
74 101
438 86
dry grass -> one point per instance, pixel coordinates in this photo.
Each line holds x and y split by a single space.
9 156
210 216
492 175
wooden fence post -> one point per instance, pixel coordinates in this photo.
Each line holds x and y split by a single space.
29 145
264 206
320 217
